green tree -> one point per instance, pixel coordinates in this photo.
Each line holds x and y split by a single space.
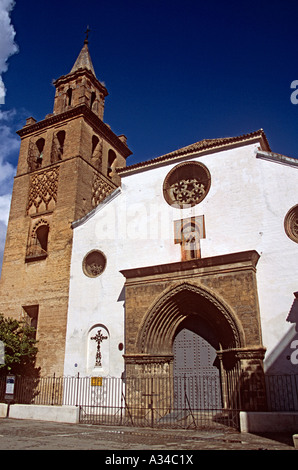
19 347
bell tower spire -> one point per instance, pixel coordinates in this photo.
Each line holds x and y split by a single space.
84 58
80 85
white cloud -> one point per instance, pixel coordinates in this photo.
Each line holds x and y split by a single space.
4 208
9 146
8 46
7 115
2 91
7 34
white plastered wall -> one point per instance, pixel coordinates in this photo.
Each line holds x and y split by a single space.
244 210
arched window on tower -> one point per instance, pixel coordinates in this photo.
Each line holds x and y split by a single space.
35 154
69 97
42 237
92 100
61 139
38 242
30 317
57 146
40 146
95 142
96 152
111 160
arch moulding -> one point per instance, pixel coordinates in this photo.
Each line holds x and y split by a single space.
157 330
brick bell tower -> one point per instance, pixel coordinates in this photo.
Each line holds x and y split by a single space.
66 168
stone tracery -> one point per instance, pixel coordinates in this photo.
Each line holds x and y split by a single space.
100 189
187 191
291 223
186 184
94 263
43 190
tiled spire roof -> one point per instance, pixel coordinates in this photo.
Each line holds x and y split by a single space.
84 60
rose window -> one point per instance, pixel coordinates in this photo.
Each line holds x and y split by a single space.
94 263
291 224
186 185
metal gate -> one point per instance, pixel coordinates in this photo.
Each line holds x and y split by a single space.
152 402
190 399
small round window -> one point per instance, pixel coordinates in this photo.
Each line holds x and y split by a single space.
94 263
186 185
291 224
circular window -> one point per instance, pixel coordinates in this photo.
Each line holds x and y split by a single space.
186 185
94 263
291 224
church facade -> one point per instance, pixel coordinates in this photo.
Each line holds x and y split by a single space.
184 264
197 263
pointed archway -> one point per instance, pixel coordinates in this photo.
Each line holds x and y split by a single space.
187 300
220 293
189 325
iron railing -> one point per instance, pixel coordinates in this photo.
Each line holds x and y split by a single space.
282 392
188 402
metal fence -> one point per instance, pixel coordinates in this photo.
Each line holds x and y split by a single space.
282 392
186 402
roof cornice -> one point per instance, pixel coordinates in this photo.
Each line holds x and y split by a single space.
277 158
200 148
74 75
84 111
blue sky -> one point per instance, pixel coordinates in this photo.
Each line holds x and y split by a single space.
176 71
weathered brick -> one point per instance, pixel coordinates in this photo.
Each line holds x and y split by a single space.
55 188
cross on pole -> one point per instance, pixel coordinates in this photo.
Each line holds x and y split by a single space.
87 34
98 338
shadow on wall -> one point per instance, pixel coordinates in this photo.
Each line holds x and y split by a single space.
284 358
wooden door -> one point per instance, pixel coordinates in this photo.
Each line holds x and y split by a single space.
196 377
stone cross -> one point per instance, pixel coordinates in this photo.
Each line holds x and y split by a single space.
188 233
98 338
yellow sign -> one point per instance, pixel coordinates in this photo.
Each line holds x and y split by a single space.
96 381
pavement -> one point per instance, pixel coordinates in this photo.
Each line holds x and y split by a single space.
16 434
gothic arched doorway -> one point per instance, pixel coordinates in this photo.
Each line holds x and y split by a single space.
181 337
215 296
194 305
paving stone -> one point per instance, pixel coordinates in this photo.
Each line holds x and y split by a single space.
40 435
